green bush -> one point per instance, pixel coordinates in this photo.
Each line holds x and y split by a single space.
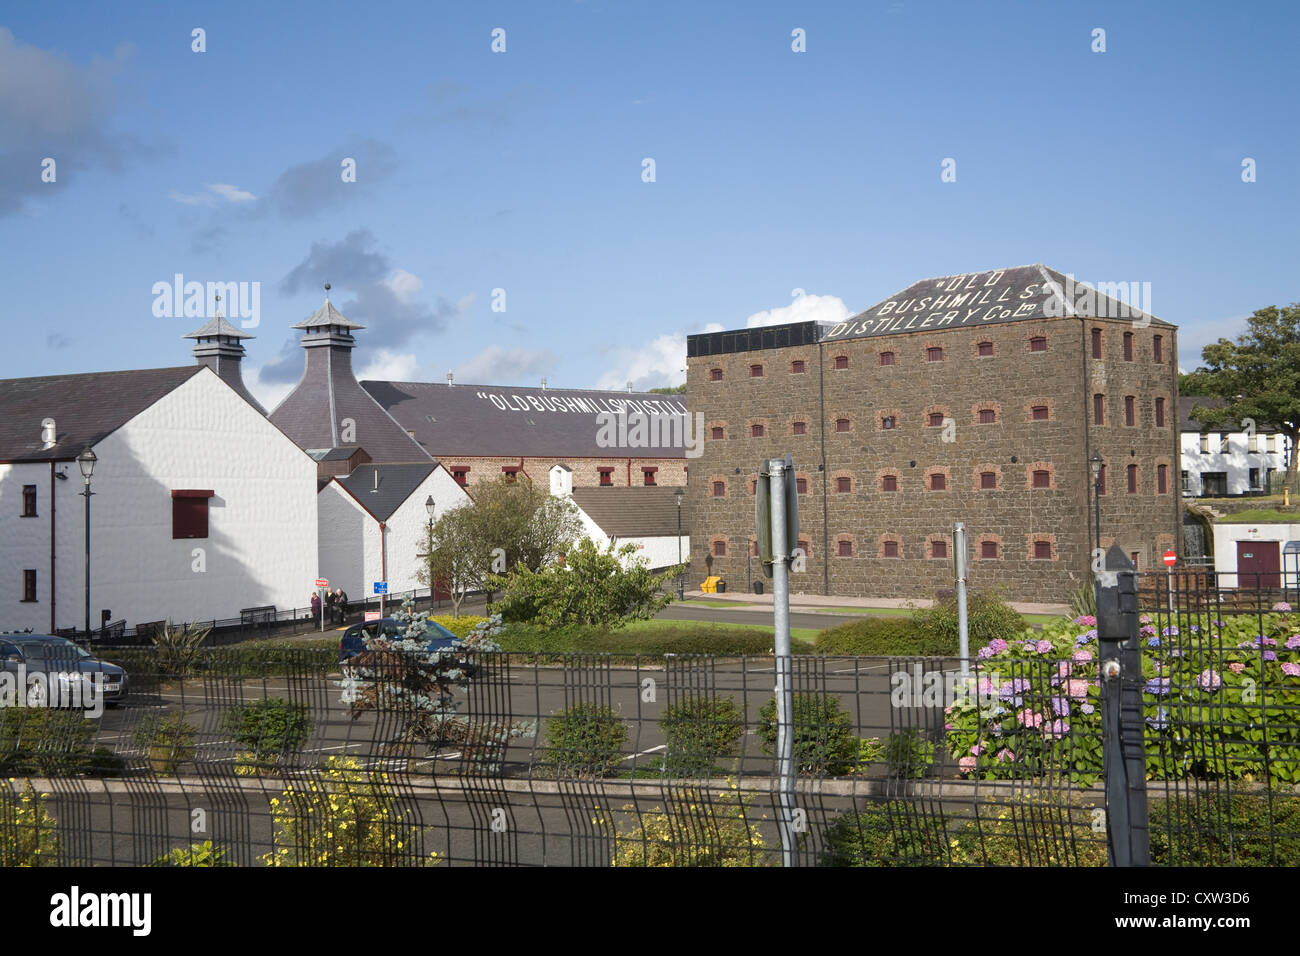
889 834
882 637
28 834
648 640
38 740
168 740
909 754
196 854
1028 832
460 626
1244 829
824 741
267 730
586 740
698 732
988 617
694 830
179 648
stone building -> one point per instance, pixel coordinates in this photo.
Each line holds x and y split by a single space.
977 398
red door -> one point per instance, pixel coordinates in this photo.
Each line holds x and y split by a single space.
1258 563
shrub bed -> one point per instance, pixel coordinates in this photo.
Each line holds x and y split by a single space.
882 637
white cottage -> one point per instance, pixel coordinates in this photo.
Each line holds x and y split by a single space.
647 518
1216 464
199 506
374 523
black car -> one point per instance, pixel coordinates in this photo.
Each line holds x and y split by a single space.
46 654
353 642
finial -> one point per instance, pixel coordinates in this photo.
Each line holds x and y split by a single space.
218 304
327 291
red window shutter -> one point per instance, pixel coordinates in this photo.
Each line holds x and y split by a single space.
938 549
988 479
846 549
843 484
841 361
889 483
1042 479
799 428
891 549
988 549
886 358
797 366
715 375
985 349
1040 413
190 513
1043 550
801 485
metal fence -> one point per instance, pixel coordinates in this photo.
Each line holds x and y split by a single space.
285 756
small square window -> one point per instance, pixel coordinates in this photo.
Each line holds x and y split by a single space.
983 349
805 548
648 476
934 354
939 549
936 419
886 358
190 514
988 549
841 424
461 476
715 375
886 422
801 485
719 549
756 371
1042 478
845 549
843 485
755 431
988 416
606 477
938 481
798 367
891 549
889 483
719 489
1039 413
1043 550
1038 343
716 433
988 480
841 361
799 428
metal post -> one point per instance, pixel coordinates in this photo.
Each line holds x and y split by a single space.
1169 582
784 669
681 593
321 594
1122 724
87 493
1096 507
963 628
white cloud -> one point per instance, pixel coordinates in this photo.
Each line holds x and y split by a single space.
501 366
404 284
806 308
386 365
269 394
215 192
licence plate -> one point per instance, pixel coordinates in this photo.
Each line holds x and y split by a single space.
108 686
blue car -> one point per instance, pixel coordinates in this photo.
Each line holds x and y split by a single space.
58 658
353 642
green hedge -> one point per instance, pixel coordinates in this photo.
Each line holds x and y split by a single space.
669 639
883 637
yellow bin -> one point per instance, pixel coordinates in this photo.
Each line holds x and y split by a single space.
710 585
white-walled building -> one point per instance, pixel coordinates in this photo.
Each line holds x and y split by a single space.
200 506
644 517
1217 464
373 524
1257 554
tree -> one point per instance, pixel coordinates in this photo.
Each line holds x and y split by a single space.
673 390
592 587
524 521
1258 377
456 557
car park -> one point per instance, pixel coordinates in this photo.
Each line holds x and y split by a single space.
58 659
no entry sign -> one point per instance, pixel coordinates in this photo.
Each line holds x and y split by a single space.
322 582
1170 559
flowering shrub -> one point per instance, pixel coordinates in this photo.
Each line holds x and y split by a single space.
347 818
28 835
692 830
1221 699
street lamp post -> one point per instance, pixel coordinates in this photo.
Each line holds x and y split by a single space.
86 462
428 507
1096 464
679 494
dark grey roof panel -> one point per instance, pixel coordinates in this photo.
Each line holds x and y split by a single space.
631 512
501 421
86 408
381 489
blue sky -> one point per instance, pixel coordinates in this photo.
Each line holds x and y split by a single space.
522 171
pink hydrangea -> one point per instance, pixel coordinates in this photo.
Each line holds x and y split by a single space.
1209 679
1281 606
1044 647
1081 656
967 764
977 750
1029 718
1293 641
1005 755
1086 620
1057 728
1236 667
1291 670
1078 689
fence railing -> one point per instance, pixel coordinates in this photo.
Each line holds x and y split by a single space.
287 756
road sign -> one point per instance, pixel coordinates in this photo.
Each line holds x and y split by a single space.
381 587
1170 559
322 582
372 615
763 513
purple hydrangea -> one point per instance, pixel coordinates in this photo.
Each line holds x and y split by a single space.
1057 728
1087 708
1293 642
1159 686
1153 642
1086 620
1004 755
1270 655
1085 637
1291 670
1170 631
1160 721
1061 706
1146 631
1209 679
1043 647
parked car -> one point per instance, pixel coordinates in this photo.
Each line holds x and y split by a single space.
352 642
51 655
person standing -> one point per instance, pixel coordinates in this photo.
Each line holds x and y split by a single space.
341 603
315 607
329 606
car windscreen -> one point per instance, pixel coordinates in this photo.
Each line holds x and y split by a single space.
52 650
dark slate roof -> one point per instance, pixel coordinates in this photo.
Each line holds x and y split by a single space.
1185 405
86 408
631 512
976 299
395 485
313 413
502 421
327 315
342 453
218 326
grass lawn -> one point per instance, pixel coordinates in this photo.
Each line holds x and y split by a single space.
661 624
1263 516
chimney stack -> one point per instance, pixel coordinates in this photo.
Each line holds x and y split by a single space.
218 345
49 434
